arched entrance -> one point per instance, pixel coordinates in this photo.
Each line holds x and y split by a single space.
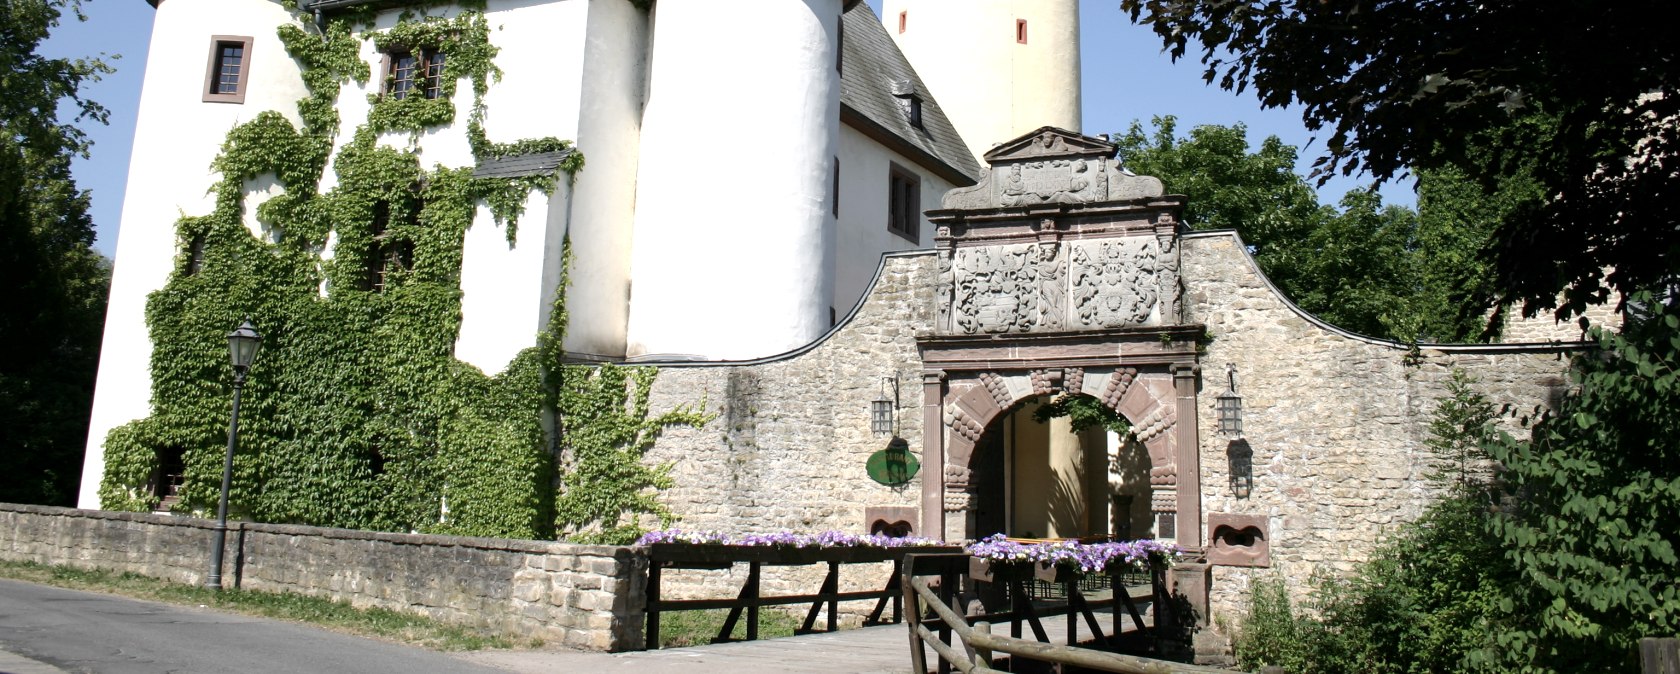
1004 471
1040 477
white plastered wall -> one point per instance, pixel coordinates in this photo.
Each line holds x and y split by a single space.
862 235
960 50
177 135
738 140
506 289
604 195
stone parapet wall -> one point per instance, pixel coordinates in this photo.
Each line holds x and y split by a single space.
1335 423
589 597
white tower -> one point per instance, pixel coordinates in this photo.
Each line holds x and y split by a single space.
212 65
732 195
999 68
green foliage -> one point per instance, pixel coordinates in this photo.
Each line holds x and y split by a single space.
1084 413
604 423
357 414
1462 423
1426 600
1373 269
1596 493
465 42
53 309
1539 99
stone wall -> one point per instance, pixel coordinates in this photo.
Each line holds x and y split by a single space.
588 597
788 446
1335 422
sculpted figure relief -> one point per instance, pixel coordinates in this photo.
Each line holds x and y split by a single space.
1052 286
1115 282
1058 181
944 289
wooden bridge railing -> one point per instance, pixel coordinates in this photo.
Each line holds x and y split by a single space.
671 556
974 645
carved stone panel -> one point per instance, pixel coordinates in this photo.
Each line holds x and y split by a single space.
997 289
1114 282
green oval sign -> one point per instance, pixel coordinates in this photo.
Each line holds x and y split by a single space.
894 465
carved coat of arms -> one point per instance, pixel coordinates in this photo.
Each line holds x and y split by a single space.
996 289
1114 282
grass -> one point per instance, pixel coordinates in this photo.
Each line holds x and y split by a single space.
694 628
338 616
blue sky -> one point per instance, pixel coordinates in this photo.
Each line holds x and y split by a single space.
1126 78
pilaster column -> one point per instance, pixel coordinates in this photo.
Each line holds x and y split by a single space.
1189 457
933 454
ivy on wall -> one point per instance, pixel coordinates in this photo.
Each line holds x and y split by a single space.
356 413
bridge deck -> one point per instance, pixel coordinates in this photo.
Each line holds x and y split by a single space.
870 649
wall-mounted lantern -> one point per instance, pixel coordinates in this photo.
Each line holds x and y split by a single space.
883 411
1230 406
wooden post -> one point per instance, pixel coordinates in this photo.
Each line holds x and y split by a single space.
918 658
752 602
1659 656
652 606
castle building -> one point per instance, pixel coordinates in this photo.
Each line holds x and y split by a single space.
738 192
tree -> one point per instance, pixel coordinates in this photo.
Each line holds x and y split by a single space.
1375 269
1574 99
53 309
1565 116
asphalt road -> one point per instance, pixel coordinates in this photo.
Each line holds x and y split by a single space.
46 630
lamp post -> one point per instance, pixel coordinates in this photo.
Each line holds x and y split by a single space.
242 347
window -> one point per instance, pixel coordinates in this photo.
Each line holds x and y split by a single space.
834 190
195 254
167 477
1021 31
229 70
914 111
386 254
904 199
903 21
840 48
414 72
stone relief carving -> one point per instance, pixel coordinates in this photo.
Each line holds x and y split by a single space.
1052 285
1114 282
996 289
1052 166
961 425
1074 381
1059 181
943 291
1170 292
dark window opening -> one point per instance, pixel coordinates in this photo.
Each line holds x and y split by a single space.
412 72
834 190
833 317
230 59
195 254
915 112
1021 31
166 482
840 48
376 461
386 253
904 200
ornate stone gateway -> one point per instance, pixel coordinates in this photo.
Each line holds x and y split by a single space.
1059 273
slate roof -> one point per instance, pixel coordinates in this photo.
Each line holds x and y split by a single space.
521 165
872 68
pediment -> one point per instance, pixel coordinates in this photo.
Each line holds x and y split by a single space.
1048 142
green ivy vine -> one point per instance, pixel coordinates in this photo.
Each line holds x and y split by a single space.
356 413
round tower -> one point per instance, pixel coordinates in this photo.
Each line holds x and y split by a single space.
999 68
738 141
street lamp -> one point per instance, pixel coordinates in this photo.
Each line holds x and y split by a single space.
242 348
883 411
1229 405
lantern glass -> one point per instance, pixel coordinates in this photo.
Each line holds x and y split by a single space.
242 346
881 416
1230 414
